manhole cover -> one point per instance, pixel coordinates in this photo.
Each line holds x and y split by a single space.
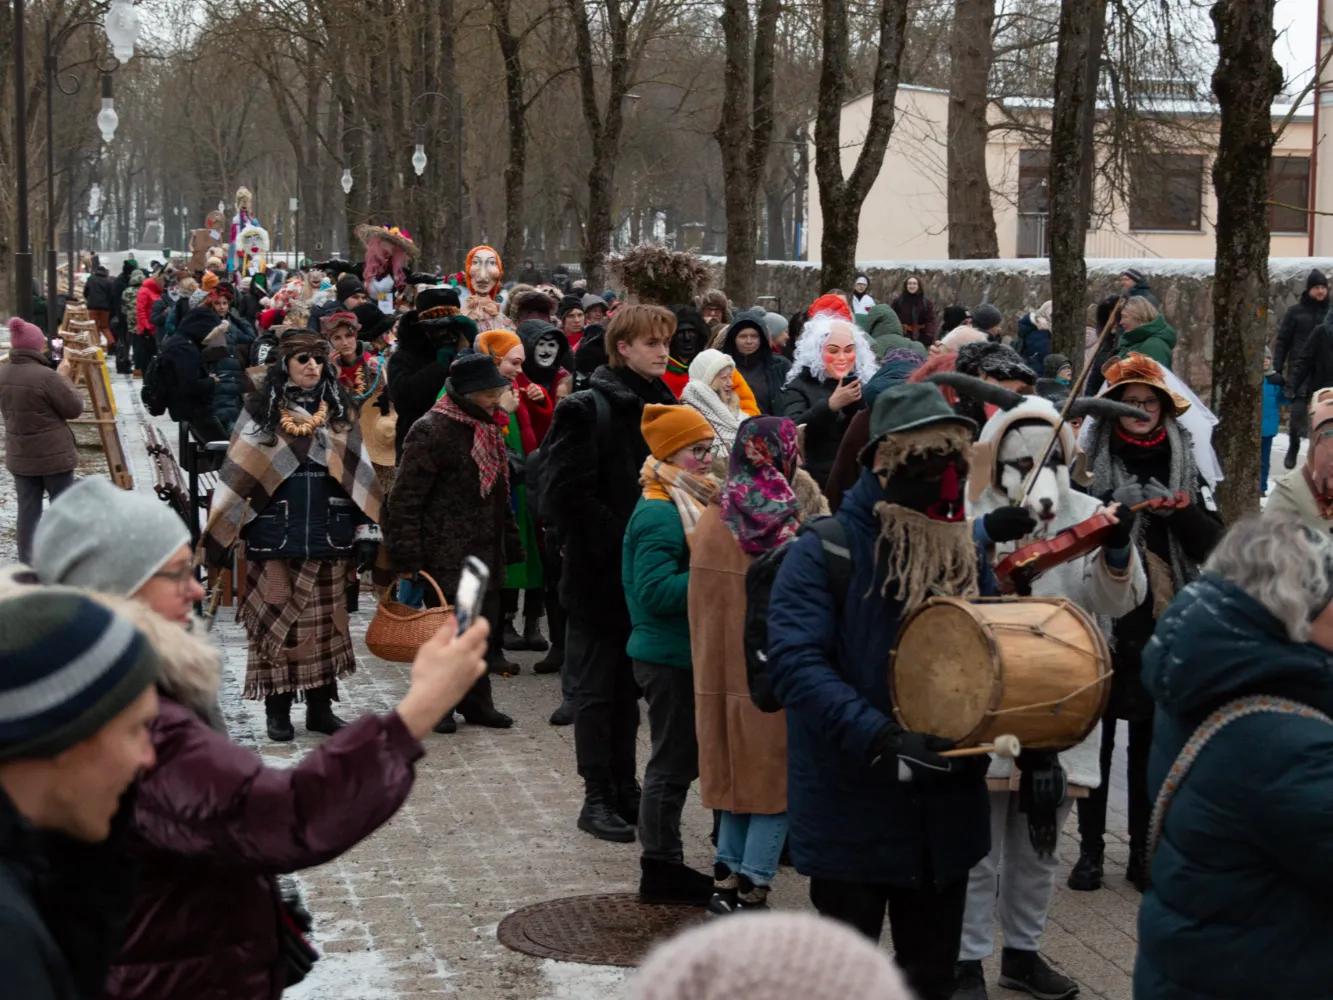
605 929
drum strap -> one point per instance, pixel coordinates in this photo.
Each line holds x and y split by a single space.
837 555
1210 727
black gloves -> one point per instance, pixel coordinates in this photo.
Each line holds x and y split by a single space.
364 553
1008 524
1123 530
916 755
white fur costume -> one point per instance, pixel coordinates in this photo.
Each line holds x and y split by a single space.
1026 880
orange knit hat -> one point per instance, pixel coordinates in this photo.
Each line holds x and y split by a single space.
209 281
497 343
667 429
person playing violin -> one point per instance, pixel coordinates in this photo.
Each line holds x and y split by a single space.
1132 460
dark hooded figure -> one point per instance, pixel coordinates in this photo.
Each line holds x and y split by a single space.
691 337
429 338
916 312
547 362
763 369
1299 322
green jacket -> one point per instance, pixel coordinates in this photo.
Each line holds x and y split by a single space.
1154 339
655 571
885 331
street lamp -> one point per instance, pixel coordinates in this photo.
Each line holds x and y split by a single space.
107 119
122 29
419 157
347 180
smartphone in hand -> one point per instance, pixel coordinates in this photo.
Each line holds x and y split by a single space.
848 379
472 583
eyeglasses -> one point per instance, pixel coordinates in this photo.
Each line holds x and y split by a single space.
703 452
305 359
1152 405
182 578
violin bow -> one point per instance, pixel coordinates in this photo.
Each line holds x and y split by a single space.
1075 390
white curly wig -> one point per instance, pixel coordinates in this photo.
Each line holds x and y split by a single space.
809 354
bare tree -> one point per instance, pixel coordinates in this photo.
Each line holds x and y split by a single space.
1246 81
971 217
1077 63
744 133
840 198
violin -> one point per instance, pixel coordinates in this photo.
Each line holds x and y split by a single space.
1026 563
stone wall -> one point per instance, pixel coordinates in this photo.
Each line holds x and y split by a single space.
1185 288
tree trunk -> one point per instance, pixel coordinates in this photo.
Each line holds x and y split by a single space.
841 198
515 110
1246 81
1077 60
971 218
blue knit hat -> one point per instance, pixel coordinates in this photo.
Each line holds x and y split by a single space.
68 666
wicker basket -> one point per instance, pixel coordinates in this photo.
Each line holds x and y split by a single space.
398 630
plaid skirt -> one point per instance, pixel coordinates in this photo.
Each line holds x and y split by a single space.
295 615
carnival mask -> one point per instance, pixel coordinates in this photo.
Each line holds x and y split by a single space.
483 271
685 343
929 484
839 353
545 351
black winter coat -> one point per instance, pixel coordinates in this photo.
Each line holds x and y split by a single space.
417 370
806 401
99 292
228 362
437 515
310 517
764 370
1299 322
591 485
181 361
1312 369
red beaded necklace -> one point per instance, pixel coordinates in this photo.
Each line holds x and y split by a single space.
1149 442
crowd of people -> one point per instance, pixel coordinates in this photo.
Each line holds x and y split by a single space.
725 513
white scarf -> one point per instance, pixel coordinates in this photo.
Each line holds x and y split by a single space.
725 424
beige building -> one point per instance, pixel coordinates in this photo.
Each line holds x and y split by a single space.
1170 213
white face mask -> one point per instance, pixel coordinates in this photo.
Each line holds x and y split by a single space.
545 351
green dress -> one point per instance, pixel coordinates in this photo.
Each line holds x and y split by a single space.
526 575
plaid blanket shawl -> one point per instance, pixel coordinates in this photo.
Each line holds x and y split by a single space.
254 470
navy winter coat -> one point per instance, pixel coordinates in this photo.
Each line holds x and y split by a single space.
1034 343
849 821
1242 900
229 367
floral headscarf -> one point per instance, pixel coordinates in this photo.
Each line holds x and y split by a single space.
758 505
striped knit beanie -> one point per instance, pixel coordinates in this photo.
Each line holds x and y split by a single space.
68 666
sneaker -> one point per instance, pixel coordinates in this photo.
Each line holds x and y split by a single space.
1086 875
726 891
750 896
673 882
970 983
1027 972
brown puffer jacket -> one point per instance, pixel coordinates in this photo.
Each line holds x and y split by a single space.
35 401
213 826
437 515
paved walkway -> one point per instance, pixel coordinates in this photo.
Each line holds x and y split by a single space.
489 827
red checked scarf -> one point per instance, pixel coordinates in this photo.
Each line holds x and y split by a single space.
488 443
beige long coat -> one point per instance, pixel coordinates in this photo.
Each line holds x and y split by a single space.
742 751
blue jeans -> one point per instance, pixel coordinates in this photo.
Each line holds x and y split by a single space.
1266 452
750 844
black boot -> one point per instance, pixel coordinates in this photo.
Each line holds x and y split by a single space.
1138 871
970 983
319 717
1293 452
726 891
564 715
552 662
478 707
599 817
446 725
503 667
512 640
628 794
673 882
1086 874
532 635
1027 972
278 712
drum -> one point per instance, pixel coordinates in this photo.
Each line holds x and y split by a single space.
970 670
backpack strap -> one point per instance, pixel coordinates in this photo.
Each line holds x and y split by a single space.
602 409
1210 727
837 554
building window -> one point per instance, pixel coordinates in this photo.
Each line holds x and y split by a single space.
1034 202
1289 183
1167 193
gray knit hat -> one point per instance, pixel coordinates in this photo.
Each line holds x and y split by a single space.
100 537
769 956
197 297
68 666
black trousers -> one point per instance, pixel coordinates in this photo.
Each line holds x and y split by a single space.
552 566
145 349
606 701
674 763
479 697
1092 810
1298 423
925 924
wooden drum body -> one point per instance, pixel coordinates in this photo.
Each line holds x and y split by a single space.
970 670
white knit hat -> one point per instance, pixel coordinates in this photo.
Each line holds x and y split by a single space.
707 364
769 956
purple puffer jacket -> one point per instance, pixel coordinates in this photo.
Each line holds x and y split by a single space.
214 826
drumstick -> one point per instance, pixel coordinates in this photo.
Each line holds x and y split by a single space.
1005 746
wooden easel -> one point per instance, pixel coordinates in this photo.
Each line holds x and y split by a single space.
91 364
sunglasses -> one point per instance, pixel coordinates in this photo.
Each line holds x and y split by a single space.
305 358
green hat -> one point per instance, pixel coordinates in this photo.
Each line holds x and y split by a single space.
909 406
